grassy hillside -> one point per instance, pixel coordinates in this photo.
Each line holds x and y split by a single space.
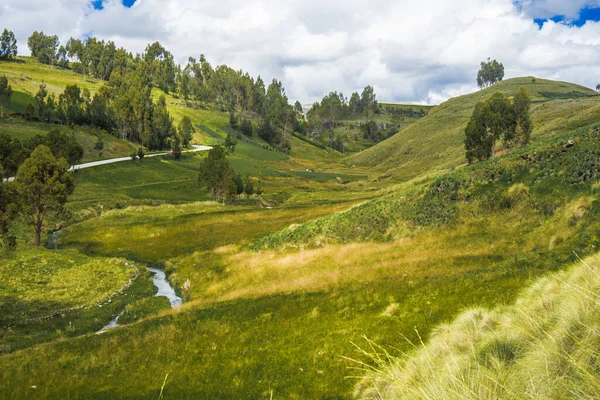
435 142
543 347
257 322
45 295
276 297
549 171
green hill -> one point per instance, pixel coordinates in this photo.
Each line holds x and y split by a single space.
276 297
277 320
435 142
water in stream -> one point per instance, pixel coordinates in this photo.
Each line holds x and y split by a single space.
164 289
112 324
53 240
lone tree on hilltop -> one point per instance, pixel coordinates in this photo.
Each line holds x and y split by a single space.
491 72
497 118
5 94
8 44
216 175
43 185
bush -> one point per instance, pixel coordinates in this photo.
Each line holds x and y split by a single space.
246 127
99 144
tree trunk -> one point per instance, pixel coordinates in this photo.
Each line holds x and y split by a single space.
38 231
38 235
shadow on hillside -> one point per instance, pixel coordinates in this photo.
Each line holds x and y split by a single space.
15 311
12 60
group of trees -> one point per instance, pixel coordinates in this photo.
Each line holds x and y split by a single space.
13 152
498 118
335 107
276 117
217 176
125 107
45 48
38 193
403 111
8 44
376 132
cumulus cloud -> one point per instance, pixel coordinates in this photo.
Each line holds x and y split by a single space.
422 51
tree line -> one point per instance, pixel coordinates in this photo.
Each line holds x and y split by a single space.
335 107
403 111
130 79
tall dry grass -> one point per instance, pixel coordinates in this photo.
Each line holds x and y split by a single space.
546 346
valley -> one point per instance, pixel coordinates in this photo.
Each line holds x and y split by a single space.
346 262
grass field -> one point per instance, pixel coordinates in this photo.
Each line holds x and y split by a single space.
46 295
283 320
277 300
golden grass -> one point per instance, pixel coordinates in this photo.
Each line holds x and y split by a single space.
543 347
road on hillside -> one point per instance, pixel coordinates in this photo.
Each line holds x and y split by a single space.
115 160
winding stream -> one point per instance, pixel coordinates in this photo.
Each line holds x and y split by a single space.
112 324
159 278
164 287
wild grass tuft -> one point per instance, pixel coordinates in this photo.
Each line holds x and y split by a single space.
546 346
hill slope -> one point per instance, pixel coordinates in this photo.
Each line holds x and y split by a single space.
435 142
543 347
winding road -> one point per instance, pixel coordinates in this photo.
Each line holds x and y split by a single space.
120 159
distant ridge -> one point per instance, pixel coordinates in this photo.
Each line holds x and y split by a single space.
435 142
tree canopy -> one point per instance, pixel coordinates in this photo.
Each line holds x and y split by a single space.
8 44
497 118
43 184
216 175
5 94
491 72
43 47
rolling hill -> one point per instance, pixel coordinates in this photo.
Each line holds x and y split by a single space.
278 298
435 142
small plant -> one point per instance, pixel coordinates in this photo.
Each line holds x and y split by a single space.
140 153
99 144
134 154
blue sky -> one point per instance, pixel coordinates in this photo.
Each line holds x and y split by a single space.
98 3
585 15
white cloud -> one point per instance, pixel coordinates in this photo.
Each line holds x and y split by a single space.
423 51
